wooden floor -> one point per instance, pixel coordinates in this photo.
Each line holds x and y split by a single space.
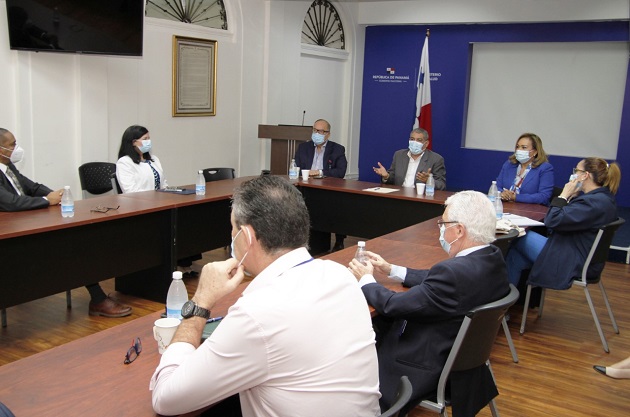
553 378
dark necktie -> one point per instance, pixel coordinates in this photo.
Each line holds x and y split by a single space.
14 178
156 176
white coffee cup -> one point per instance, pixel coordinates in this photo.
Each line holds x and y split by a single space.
163 332
305 173
420 187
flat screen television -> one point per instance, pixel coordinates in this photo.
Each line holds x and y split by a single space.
107 27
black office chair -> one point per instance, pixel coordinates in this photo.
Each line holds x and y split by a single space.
95 178
5 412
597 254
472 348
216 174
503 243
114 183
402 397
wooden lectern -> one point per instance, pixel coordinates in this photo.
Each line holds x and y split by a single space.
284 142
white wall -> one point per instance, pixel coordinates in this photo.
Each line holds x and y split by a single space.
70 109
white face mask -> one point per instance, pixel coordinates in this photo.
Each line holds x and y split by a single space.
146 146
522 156
232 247
445 245
16 155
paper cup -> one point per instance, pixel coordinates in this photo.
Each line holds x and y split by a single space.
163 332
305 173
420 187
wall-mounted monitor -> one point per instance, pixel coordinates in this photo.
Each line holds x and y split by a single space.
108 27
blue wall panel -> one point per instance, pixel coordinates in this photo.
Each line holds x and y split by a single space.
388 107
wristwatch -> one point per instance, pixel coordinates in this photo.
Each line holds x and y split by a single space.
190 309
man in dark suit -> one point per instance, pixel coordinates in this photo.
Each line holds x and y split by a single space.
413 165
323 157
417 328
18 193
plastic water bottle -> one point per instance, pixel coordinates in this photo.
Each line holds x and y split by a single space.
493 192
430 188
176 297
498 207
294 171
360 254
200 186
67 203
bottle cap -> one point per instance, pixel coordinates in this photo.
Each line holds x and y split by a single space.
361 243
66 187
177 274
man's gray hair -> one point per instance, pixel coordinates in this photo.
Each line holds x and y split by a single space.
421 131
475 211
275 209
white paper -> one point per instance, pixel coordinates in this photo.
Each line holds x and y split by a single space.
381 190
522 221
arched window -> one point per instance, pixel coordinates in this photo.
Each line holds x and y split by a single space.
322 26
208 13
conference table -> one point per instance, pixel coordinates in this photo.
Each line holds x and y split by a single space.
83 377
139 243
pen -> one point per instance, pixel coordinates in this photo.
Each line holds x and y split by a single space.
402 329
212 320
377 188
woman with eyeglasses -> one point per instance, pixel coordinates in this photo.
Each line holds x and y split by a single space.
527 175
136 169
586 203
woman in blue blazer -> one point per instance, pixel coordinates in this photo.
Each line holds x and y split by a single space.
586 203
527 176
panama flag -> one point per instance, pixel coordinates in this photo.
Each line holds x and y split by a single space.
423 98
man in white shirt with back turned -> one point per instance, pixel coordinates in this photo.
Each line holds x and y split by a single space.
298 342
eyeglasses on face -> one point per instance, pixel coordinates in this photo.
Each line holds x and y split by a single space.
321 132
576 170
441 222
101 209
134 351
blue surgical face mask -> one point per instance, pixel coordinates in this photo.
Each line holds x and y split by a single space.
415 148
522 156
445 245
574 177
232 247
317 138
146 146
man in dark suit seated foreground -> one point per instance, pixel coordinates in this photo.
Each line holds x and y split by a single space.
417 328
324 158
18 193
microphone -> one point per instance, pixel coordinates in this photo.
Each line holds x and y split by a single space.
303 115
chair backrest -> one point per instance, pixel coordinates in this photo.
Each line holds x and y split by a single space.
216 174
95 177
402 397
601 245
114 183
476 336
503 241
5 412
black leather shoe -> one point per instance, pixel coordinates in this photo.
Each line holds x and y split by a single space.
600 369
